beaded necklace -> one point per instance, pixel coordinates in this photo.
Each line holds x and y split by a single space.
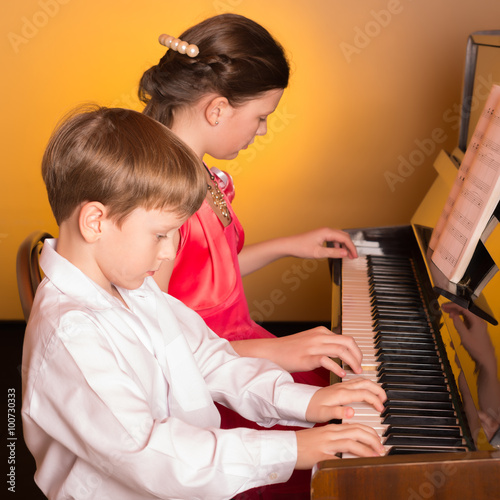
217 196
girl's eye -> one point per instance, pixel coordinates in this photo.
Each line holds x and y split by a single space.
161 236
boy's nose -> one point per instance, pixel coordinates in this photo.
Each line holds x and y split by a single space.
168 251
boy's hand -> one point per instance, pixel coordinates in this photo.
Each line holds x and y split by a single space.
328 403
322 443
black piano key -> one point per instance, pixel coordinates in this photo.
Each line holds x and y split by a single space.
397 367
412 378
405 439
389 267
404 343
381 314
377 286
406 327
398 311
376 302
417 395
408 321
393 403
422 420
398 386
435 430
431 360
413 450
416 337
412 302
387 279
406 410
396 295
394 291
388 331
416 350
382 263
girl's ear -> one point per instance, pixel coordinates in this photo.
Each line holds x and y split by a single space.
216 109
92 217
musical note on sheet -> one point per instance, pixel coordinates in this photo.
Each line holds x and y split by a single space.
464 221
473 197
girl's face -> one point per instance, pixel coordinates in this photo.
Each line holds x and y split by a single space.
239 126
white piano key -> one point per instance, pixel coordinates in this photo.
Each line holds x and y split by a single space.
346 456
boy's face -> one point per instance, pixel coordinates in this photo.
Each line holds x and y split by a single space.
128 254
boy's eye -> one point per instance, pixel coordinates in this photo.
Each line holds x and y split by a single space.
161 236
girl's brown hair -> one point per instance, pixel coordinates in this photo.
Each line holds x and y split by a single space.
122 159
238 59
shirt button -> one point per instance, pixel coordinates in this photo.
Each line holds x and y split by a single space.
273 476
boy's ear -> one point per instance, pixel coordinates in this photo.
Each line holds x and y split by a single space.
92 217
216 109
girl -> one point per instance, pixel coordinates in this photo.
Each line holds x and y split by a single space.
215 88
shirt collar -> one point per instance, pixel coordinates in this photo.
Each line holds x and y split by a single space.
70 281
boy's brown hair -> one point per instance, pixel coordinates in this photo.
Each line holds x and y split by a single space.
123 159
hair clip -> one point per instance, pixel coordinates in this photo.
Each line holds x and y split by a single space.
173 43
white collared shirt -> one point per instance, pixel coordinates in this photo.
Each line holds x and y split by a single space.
118 403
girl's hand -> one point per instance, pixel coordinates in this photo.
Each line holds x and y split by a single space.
308 350
323 443
312 245
328 403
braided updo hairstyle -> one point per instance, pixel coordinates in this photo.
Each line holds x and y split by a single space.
238 59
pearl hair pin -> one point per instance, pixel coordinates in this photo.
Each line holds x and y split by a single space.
173 43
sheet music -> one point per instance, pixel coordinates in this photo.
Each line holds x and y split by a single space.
473 197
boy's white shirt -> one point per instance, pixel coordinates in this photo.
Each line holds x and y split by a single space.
118 403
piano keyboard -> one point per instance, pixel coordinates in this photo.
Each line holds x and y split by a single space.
383 310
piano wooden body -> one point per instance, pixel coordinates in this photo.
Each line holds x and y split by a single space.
437 463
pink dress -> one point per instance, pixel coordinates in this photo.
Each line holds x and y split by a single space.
207 278
208 258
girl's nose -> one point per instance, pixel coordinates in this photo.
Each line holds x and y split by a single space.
262 130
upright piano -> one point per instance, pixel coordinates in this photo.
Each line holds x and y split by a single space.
441 424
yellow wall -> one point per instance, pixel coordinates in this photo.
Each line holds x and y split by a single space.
375 87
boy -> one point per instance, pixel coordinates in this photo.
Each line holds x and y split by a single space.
120 379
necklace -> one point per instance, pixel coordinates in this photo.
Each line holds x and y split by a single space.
217 196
